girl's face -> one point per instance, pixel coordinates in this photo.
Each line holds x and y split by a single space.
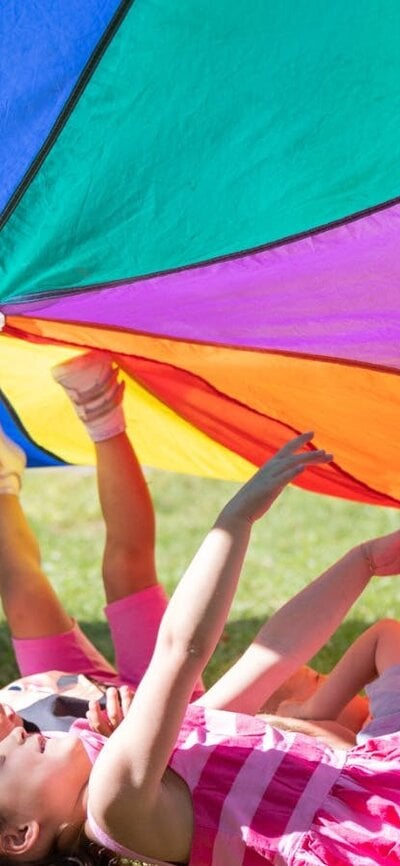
43 780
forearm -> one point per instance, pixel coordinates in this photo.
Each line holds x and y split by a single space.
207 589
292 636
305 623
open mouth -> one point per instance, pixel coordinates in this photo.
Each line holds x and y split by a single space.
42 743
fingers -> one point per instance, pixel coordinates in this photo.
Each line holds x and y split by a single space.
118 702
126 695
286 464
258 494
289 471
298 442
305 461
113 707
97 719
287 459
288 451
310 456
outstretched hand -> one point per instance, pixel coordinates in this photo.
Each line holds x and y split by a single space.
255 497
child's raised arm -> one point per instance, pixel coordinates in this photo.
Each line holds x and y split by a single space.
127 776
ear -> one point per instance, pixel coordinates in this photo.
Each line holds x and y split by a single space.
19 839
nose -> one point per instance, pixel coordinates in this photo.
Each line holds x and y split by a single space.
19 734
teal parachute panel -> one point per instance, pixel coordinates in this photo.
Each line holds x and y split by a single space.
212 199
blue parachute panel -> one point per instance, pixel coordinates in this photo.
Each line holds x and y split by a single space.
45 48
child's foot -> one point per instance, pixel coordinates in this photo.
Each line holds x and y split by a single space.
383 554
91 383
12 465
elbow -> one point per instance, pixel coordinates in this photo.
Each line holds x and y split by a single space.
191 650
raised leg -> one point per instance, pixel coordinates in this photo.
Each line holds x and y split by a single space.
368 657
30 604
135 600
129 557
91 383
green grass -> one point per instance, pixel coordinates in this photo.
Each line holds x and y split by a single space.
300 537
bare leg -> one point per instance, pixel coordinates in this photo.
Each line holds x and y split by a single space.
371 654
91 383
129 559
298 687
129 573
29 601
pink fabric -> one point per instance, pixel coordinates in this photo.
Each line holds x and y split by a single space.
133 621
92 741
70 651
261 795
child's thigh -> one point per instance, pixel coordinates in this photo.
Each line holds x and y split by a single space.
134 622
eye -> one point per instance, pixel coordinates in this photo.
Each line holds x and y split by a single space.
2 760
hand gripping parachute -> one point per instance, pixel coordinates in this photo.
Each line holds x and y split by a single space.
207 191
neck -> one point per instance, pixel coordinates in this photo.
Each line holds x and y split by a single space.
73 831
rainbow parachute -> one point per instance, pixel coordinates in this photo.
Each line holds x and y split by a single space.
207 190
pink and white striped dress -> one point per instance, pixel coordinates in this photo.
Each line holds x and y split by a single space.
265 796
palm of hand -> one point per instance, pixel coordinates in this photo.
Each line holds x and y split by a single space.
255 497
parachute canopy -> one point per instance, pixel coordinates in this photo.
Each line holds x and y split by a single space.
209 192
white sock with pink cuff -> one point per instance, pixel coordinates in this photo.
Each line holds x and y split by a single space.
91 383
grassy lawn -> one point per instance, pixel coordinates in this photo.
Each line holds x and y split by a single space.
300 537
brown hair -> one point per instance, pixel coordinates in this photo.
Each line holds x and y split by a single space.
86 854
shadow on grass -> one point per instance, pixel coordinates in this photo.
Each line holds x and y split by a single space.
235 639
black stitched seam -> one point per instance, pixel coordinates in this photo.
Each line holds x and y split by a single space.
62 118
14 331
289 239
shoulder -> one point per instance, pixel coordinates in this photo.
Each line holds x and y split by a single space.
161 829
